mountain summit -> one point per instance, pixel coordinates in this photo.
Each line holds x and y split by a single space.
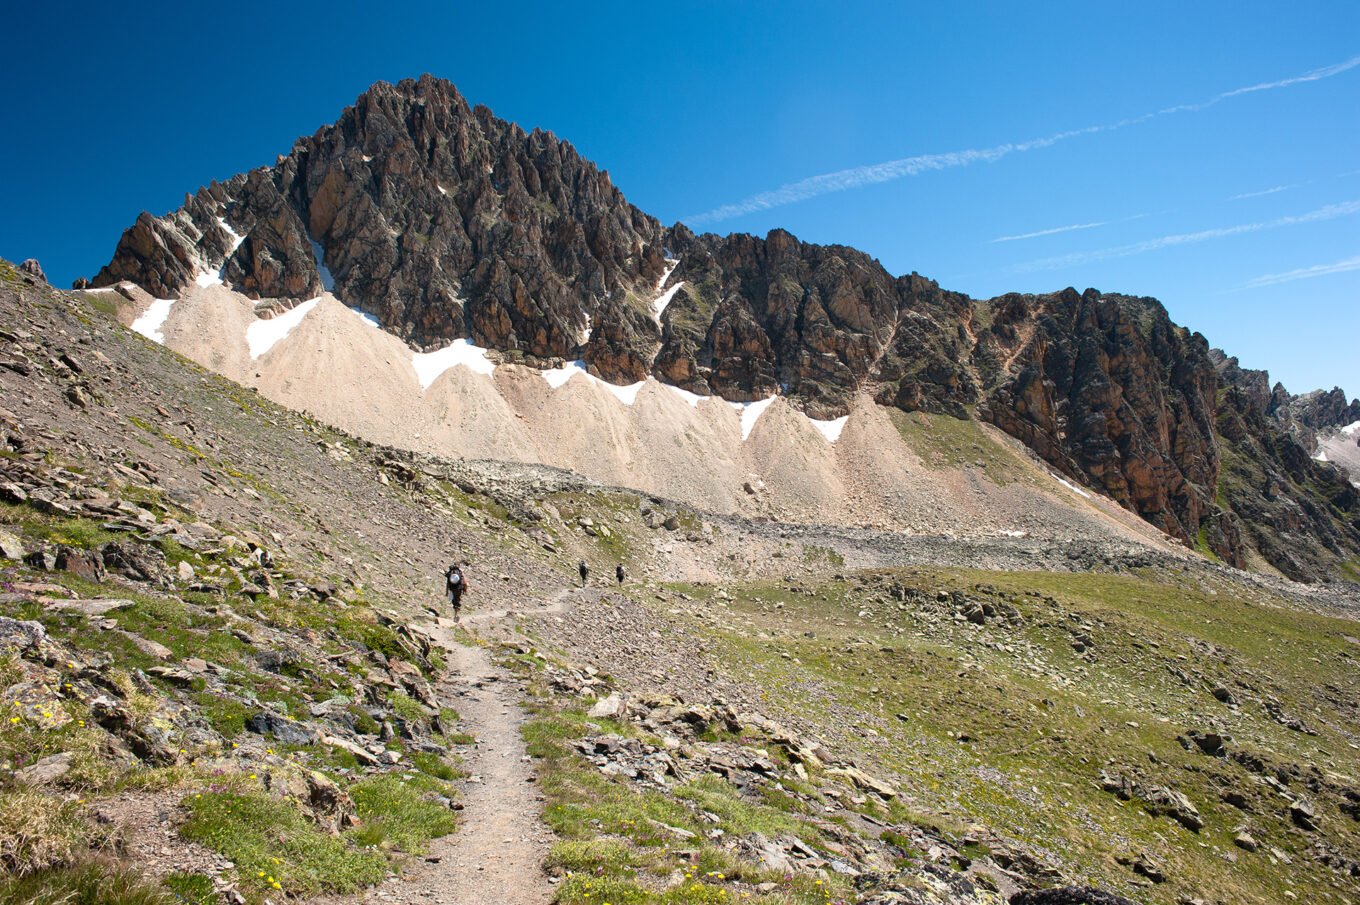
443 223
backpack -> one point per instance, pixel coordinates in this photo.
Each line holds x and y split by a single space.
454 577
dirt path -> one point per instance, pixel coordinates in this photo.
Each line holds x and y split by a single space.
497 853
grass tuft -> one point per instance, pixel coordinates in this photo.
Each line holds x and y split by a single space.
276 848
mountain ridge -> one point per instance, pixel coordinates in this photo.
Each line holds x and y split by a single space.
443 222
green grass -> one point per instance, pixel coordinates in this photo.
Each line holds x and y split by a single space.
190 889
432 764
397 814
407 707
1040 719
942 441
618 841
92 883
270 840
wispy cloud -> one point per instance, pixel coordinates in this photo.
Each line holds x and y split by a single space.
857 177
888 171
1330 212
1067 229
1050 232
1303 273
1263 192
1325 72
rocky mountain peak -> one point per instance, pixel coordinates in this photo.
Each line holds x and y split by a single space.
443 222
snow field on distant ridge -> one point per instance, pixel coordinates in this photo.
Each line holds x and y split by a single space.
211 277
831 429
558 377
750 413
429 365
327 281
664 299
1072 487
153 320
263 335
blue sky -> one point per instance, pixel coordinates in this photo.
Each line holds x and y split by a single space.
1240 210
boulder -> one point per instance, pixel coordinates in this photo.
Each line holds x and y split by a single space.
362 755
20 635
330 805
610 707
864 781
45 771
91 608
86 564
31 267
1304 815
281 728
10 546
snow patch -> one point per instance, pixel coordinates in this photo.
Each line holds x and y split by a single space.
750 413
153 320
1350 429
442 190
236 238
1321 456
368 319
692 398
1072 487
327 281
831 429
211 277
1008 532
263 335
664 298
558 377
625 394
429 365
586 331
659 306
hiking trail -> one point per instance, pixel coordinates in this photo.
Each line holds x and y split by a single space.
497 852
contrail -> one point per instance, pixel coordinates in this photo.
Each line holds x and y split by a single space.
857 177
1245 195
1325 72
1303 273
1050 232
1330 212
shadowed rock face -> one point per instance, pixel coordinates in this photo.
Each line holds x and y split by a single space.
1108 389
444 222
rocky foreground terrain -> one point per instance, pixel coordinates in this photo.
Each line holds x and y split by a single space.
442 222
224 681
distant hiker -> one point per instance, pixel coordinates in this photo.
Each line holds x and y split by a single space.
455 586
619 573
584 570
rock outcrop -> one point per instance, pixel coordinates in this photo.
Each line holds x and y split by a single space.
443 222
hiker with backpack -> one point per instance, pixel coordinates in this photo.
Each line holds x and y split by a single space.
620 574
584 570
455 586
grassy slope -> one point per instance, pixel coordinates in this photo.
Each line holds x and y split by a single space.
1009 727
